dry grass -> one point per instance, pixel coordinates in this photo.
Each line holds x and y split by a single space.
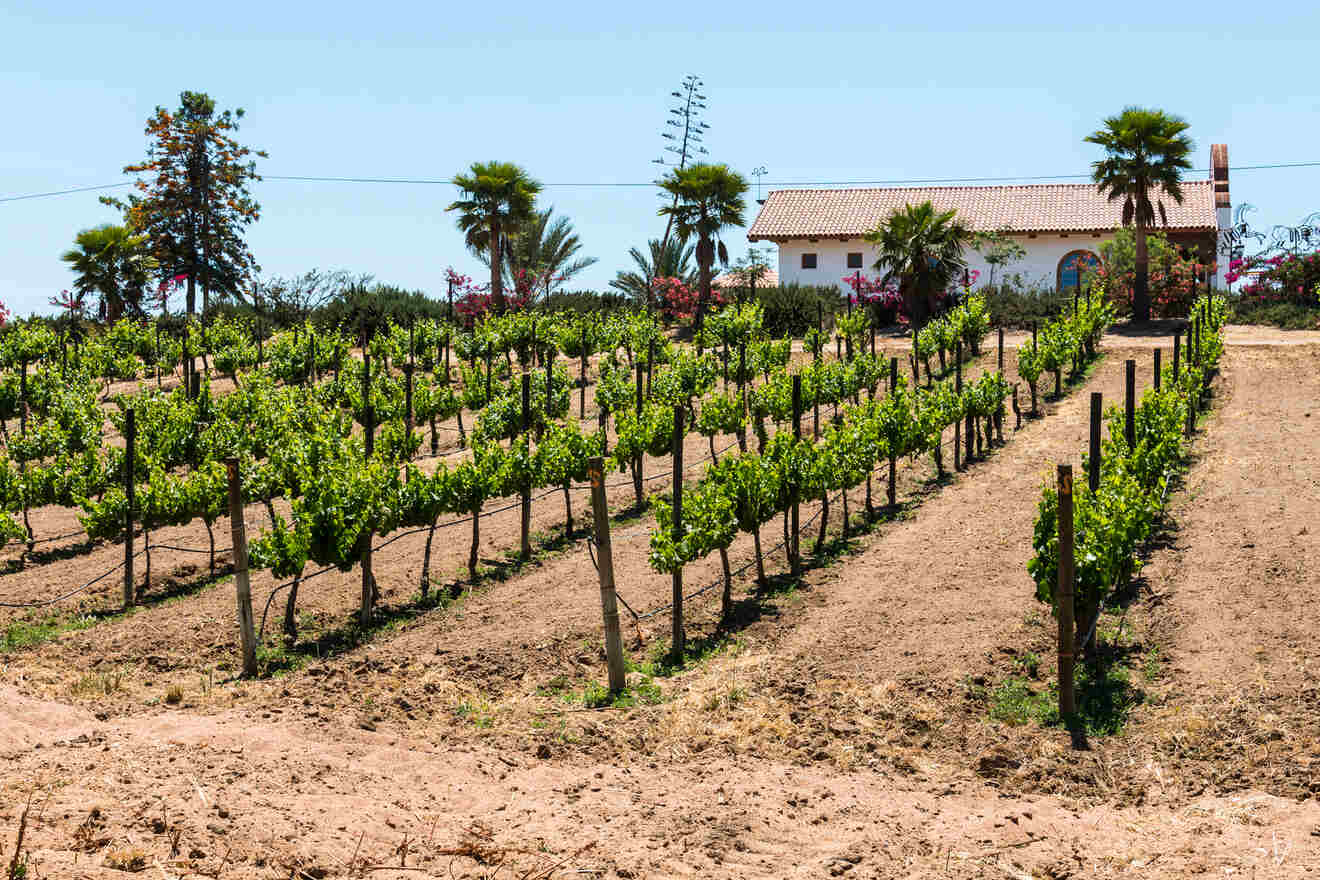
98 684
130 858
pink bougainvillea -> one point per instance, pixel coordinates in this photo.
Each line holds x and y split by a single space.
679 300
1280 278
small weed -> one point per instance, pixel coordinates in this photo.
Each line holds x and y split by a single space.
131 859
174 696
1029 663
1105 698
1153 666
98 684
478 714
645 692
663 664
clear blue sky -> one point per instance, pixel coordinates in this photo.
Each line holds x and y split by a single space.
577 93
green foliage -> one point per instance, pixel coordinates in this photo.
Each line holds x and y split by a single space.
1111 523
922 250
792 309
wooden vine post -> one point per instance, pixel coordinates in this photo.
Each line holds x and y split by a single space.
1177 343
638 458
1157 369
957 389
1001 349
408 419
247 640
368 578
1093 458
369 447
916 367
795 550
130 444
549 383
1064 593
1130 404
650 365
679 636
609 606
525 490
582 375
971 423
893 457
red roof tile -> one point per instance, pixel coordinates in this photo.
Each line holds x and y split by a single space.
1054 207
731 279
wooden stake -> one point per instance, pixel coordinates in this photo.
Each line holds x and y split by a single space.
957 389
1001 349
893 458
1093 459
582 376
130 443
1157 369
1130 405
1064 593
679 638
525 545
795 555
600 514
246 634
368 577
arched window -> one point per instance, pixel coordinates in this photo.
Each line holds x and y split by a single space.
1074 266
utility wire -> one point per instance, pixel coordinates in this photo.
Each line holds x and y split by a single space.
911 181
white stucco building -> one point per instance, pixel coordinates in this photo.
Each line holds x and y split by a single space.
820 232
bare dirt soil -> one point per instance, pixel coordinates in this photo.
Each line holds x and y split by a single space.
839 726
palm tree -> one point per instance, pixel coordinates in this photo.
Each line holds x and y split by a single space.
667 259
114 265
921 249
1145 153
707 198
543 249
499 199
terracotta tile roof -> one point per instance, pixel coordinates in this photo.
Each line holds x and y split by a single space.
1053 207
730 279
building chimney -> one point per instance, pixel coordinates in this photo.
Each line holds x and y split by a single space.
1219 174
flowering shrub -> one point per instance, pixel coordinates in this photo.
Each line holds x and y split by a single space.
678 300
1292 278
1173 280
887 303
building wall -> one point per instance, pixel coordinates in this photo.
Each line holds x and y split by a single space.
1038 268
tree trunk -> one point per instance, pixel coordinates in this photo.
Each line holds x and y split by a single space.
211 537
705 258
824 523
290 620
568 511
476 541
726 599
426 558
760 561
1141 284
637 479
496 282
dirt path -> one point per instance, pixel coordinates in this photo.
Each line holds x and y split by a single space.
251 797
935 593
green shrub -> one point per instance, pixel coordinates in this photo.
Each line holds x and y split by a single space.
791 309
1289 316
1013 306
583 301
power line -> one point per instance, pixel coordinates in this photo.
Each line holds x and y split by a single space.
910 181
